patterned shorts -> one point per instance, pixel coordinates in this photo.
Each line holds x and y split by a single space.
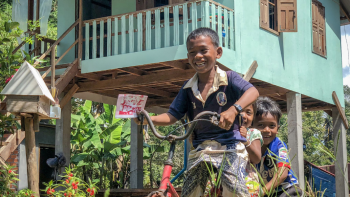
231 160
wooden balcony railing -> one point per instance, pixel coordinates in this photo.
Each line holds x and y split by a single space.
156 28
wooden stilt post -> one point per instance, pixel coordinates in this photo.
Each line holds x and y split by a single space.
62 134
295 135
136 157
341 170
32 167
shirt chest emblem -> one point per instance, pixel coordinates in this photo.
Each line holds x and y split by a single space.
221 98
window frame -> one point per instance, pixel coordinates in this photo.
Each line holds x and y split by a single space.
319 4
274 31
282 18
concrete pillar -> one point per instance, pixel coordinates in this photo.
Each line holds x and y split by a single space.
136 157
62 135
295 135
341 171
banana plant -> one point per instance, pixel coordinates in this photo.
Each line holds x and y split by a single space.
101 146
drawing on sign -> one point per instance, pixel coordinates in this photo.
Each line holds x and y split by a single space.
129 104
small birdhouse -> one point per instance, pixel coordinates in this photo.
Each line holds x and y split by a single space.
28 93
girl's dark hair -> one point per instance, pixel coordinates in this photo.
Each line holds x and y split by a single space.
265 105
204 31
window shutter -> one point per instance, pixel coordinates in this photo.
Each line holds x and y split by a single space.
315 35
287 16
322 29
264 14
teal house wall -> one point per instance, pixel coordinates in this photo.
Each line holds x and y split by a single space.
287 60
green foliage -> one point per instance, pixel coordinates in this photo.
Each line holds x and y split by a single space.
314 133
98 142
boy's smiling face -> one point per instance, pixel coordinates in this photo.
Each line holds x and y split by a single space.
202 54
268 126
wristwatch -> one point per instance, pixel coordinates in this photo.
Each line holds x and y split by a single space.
238 108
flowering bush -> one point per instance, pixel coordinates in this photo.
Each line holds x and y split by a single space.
70 186
8 177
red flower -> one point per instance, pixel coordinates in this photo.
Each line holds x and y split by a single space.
77 183
69 178
73 184
88 190
8 79
65 194
75 187
49 191
10 171
92 192
16 70
71 175
67 181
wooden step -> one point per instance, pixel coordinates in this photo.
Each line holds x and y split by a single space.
56 67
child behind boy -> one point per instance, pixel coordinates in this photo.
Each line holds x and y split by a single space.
212 89
255 142
281 181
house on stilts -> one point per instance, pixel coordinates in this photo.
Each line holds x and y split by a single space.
108 47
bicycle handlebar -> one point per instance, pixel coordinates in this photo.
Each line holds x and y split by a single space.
214 119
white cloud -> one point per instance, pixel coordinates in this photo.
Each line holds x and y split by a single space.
345 48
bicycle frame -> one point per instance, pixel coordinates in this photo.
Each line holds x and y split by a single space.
166 189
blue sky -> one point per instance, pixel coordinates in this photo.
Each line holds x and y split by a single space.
345 45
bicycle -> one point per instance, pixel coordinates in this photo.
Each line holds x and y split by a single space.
166 189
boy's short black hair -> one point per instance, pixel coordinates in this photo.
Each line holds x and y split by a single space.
265 105
204 31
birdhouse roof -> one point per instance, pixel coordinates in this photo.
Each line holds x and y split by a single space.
27 82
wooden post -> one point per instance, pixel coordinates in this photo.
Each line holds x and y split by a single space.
341 170
136 160
62 134
32 168
53 74
80 45
295 135
37 17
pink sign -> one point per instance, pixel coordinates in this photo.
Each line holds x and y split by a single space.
129 104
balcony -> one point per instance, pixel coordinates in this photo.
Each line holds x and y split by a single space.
158 34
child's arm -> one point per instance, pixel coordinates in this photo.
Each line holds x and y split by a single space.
228 116
278 178
254 149
160 120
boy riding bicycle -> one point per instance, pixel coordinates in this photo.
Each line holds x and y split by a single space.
212 89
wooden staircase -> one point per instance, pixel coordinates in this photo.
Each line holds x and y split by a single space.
9 143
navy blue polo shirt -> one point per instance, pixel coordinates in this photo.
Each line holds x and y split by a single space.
227 88
276 156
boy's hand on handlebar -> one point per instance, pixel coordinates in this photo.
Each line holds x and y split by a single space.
243 131
138 121
227 118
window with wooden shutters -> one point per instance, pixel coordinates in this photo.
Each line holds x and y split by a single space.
318 28
278 15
